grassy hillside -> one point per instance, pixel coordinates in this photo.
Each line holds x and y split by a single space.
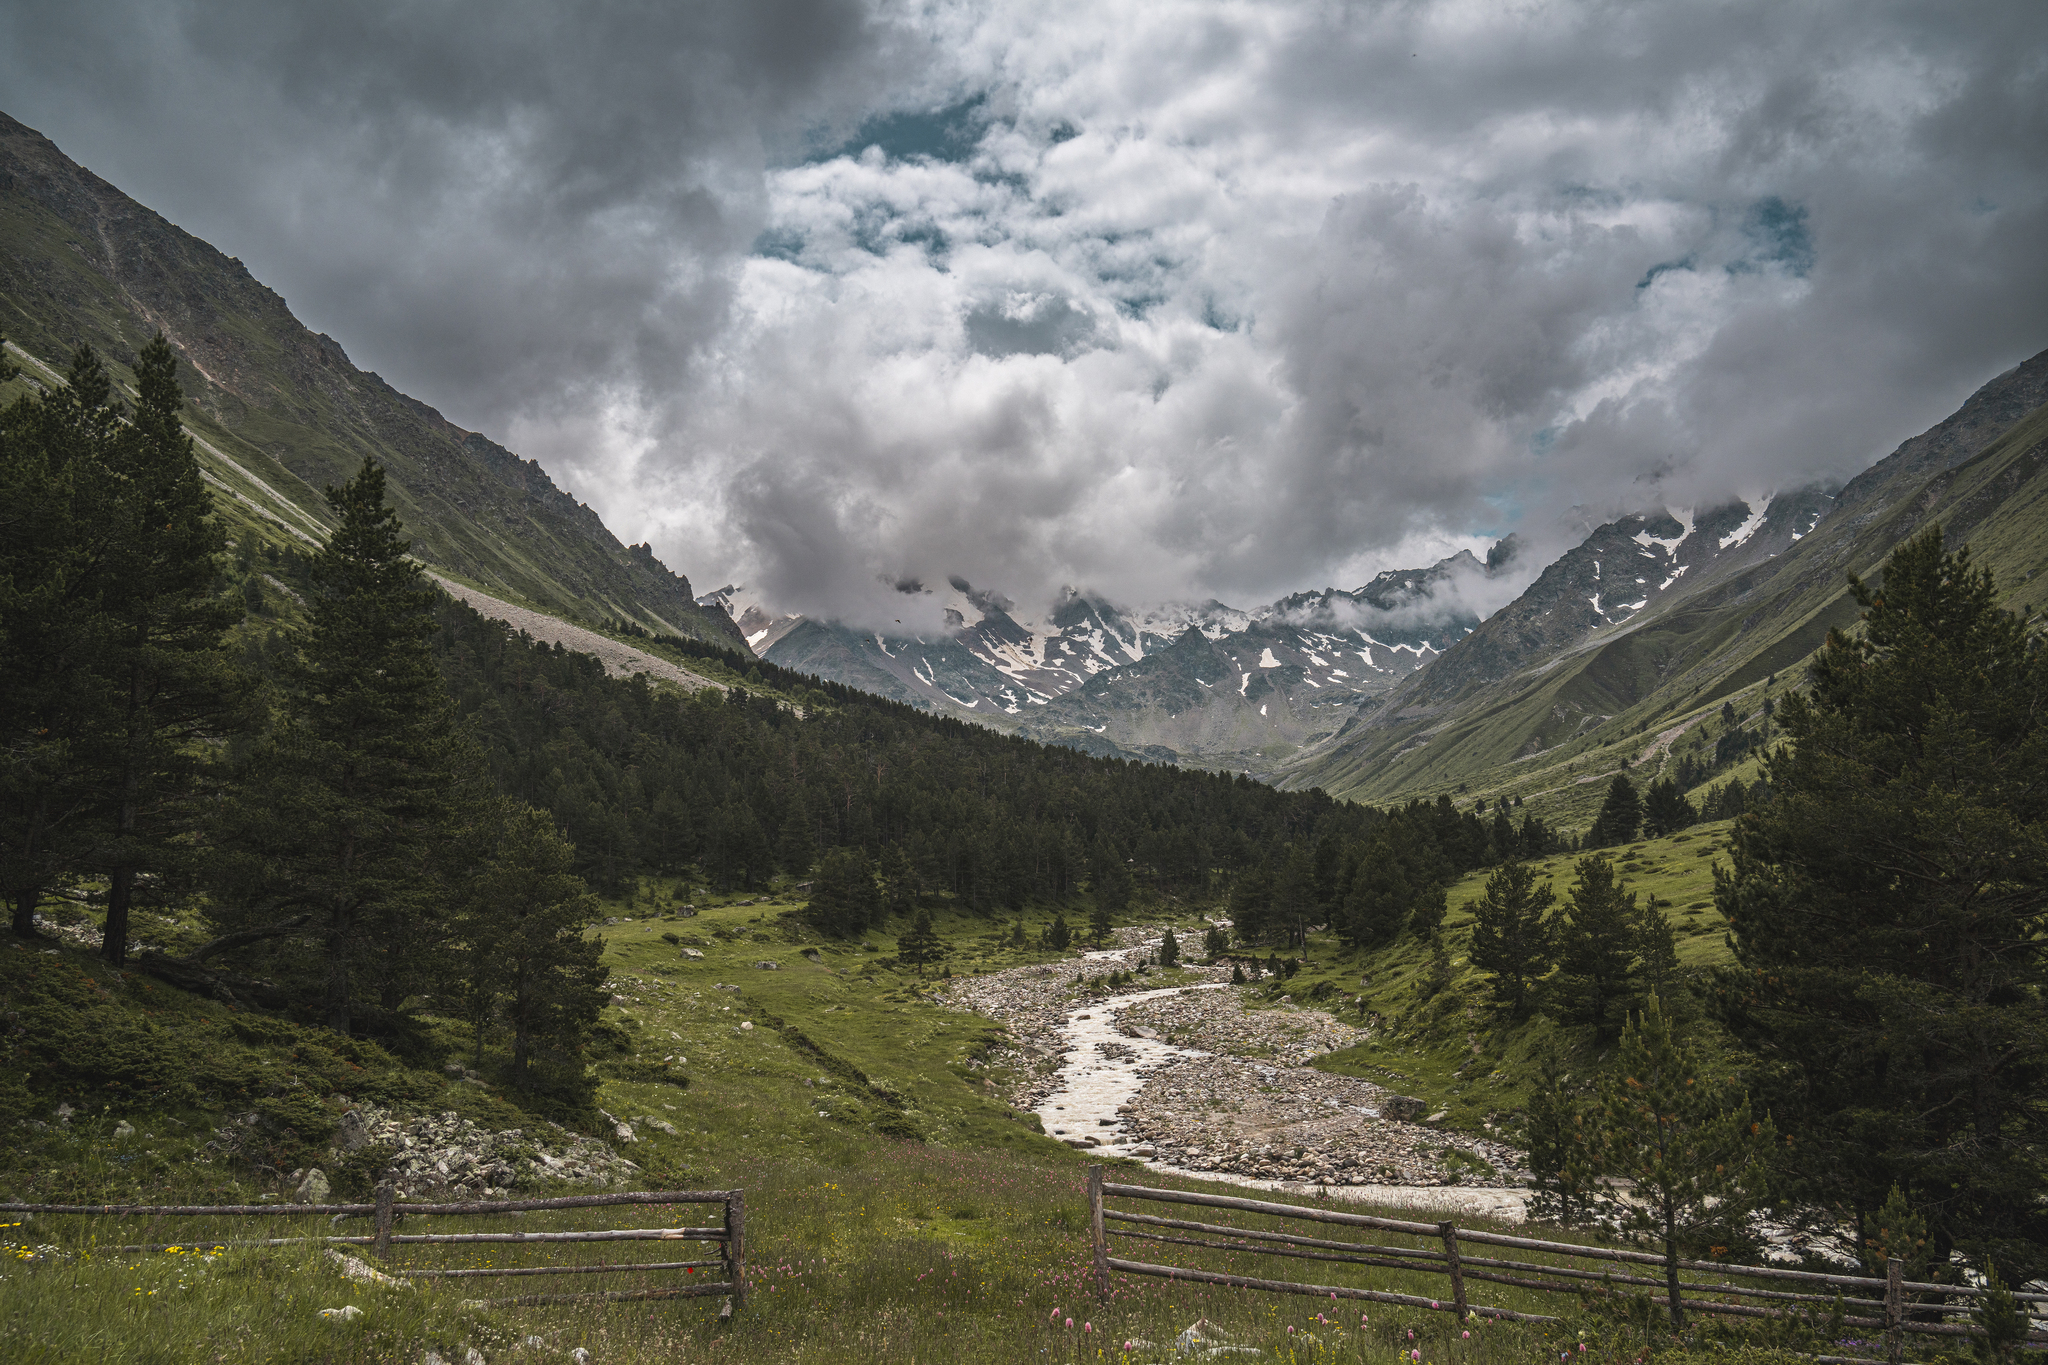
1549 727
1450 1047
280 412
897 1210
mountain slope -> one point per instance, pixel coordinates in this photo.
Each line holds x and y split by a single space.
280 412
1541 679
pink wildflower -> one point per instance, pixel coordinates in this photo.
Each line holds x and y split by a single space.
1070 1322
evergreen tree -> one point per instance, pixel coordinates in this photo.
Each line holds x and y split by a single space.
1512 935
1215 943
793 847
900 881
1293 907
1426 916
921 946
1621 815
1699 1164
1058 936
844 898
1889 909
56 494
1251 899
1169 950
357 790
1598 955
1109 880
1665 809
1563 1165
524 958
171 683
1377 906
1099 925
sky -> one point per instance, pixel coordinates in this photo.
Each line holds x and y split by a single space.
1159 300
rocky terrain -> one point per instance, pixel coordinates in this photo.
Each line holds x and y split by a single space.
449 1157
1184 1077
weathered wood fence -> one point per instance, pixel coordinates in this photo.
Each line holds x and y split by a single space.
1865 1301
729 1236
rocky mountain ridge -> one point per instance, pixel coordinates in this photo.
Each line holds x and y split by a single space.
278 411
1202 683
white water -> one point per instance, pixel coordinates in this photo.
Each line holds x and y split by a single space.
1094 1086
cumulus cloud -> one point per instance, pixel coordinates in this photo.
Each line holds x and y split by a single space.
1167 299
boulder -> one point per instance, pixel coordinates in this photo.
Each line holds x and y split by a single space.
313 1188
768 966
1404 1108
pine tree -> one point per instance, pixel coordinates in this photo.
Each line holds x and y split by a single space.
1058 936
844 899
1099 925
1621 815
1889 909
172 685
1294 904
1169 950
1563 1166
345 809
1665 809
1597 951
524 956
921 946
1698 1161
1377 906
1109 880
56 494
1513 934
1251 899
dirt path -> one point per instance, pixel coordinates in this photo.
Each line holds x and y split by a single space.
621 661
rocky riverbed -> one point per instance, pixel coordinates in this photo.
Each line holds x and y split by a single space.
1184 1078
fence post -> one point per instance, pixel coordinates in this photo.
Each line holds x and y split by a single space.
1894 1310
1097 1237
735 1251
383 1243
1449 1232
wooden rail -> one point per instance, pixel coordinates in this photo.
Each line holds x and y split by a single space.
1886 1308
729 1234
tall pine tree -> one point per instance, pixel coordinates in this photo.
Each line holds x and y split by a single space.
1889 906
56 489
362 782
1512 935
170 684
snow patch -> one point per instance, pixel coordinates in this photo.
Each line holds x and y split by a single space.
1266 659
1683 516
1676 574
1262 708
1748 527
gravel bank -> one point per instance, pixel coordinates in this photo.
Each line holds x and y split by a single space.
621 661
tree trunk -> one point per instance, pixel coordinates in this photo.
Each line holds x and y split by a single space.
1671 1266
337 1003
121 881
23 905
120 892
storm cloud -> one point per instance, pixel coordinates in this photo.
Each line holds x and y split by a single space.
1161 300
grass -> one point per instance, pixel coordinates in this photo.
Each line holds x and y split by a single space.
897 1252
1452 1048
966 1241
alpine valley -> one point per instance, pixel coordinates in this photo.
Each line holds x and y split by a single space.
1413 684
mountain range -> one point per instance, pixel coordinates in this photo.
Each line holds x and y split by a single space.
1199 683
1411 684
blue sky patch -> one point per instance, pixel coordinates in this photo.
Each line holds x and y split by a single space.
950 133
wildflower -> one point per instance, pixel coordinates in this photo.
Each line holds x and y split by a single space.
1070 1322
1415 1355
1087 1326
1468 1336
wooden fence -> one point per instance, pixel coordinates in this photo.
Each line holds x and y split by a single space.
1865 1301
729 1236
